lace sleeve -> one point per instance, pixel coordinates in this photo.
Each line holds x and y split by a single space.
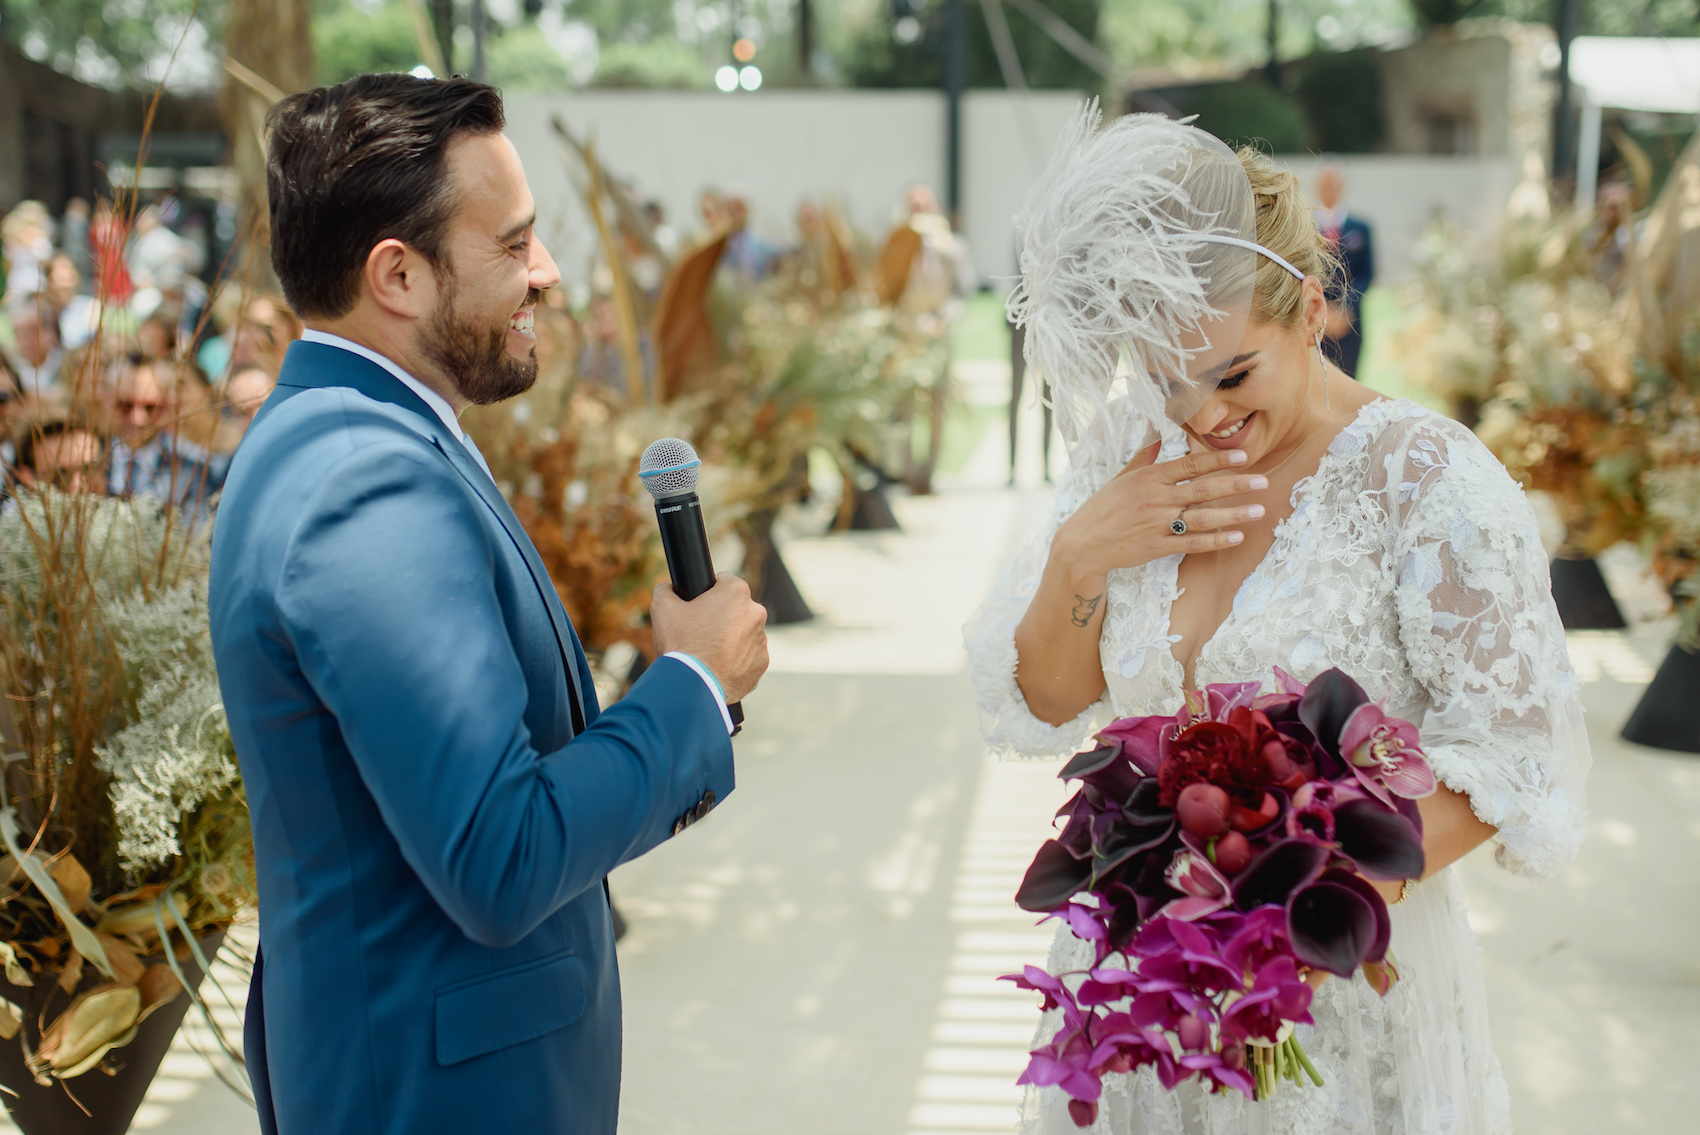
1011 730
1478 624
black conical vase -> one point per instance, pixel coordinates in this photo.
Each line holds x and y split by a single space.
770 580
1665 717
111 1099
1583 599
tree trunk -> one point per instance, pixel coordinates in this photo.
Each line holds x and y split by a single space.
272 40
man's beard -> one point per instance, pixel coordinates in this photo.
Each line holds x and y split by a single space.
474 356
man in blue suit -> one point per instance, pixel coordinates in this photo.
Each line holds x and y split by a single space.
1352 241
436 798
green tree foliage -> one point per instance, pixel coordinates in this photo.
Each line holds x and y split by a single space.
110 42
1341 96
656 64
350 41
1249 113
877 59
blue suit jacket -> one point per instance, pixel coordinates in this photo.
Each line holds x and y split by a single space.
432 827
1357 254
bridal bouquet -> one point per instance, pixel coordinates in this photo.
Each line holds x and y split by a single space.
1212 858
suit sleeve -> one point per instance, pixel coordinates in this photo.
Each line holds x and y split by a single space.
388 595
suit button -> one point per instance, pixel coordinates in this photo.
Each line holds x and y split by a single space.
706 804
681 823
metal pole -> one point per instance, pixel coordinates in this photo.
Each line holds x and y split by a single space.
480 72
1569 18
1588 157
805 40
1272 69
443 27
955 64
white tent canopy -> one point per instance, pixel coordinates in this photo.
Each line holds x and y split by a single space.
1638 73
1627 73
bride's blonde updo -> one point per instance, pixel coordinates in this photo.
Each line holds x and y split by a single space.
1287 227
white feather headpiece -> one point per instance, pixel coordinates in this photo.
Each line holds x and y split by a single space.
1137 273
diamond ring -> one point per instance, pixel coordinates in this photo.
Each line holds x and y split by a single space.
1178 525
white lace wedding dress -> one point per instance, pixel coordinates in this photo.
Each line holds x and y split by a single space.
1411 561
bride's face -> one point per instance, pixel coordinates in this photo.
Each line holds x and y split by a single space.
1270 394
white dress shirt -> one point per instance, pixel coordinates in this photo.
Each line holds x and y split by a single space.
440 406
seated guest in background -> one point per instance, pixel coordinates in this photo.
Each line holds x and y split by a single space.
11 409
170 444
39 355
245 393
60 449
75 313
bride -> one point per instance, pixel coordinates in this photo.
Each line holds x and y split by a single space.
1234 503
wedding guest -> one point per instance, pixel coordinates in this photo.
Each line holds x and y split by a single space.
245 393
1351 240
39 355
26 238
74 238
11 410
76 313
169 444
746 253
107 234
1609 237
60 449
157 257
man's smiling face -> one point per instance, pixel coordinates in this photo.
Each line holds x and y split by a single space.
481 333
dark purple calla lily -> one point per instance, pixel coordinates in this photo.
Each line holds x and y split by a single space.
1380 841
1054 877
1278 872
1377 905
1328 701
1331 927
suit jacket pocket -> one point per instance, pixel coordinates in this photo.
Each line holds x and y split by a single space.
508 1007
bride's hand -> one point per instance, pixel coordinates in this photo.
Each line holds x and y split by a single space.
1127 522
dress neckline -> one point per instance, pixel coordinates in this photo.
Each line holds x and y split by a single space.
1337 450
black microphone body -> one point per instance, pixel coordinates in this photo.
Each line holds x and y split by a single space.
684 538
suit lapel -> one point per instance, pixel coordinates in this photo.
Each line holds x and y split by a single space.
316 365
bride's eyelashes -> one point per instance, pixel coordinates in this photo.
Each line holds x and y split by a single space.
1230 381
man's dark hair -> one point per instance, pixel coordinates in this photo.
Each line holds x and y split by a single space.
358 163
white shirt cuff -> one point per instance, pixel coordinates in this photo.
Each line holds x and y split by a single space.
712 682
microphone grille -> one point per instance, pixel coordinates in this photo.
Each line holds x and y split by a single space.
669 467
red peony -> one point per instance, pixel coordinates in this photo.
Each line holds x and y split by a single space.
1230 754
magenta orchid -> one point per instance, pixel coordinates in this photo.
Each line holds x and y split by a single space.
1385 754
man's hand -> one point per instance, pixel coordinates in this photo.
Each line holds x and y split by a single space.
1339 321
723 628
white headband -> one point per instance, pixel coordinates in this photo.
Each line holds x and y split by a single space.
1215 238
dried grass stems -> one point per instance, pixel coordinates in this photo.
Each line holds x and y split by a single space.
125 828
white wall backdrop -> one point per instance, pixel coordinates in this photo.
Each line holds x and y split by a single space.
865 148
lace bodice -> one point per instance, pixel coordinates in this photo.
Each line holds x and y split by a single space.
1410 560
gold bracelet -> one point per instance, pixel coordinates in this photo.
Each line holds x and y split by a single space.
1405 891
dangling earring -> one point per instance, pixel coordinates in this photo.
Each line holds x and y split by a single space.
1323 359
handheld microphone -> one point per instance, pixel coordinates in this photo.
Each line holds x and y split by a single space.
669 470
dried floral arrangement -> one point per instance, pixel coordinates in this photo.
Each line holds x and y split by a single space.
754 375
1532 352
1666 319
122 816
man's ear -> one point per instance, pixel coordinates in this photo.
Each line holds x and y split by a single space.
400 280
